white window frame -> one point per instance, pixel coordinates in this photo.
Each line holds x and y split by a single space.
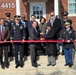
36 3
68 9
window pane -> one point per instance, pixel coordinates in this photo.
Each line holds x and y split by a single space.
72 5
72 0
72 11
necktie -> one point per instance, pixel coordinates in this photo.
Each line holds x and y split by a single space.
2 33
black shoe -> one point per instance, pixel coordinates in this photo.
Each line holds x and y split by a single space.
17 66
6 65
21 65
2 66
49 64
53 64
70 65
35 65
66 64
38 64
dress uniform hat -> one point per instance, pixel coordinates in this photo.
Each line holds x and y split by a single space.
67 23
65 13
8 14
17 17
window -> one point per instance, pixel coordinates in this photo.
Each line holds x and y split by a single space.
38 11
72 6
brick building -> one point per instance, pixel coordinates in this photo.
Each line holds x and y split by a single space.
38 8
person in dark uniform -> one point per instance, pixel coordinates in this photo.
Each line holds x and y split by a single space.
18 33
33 35
64 19
9 22
4 36
69 36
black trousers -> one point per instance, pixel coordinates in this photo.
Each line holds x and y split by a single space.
18 47
5 48
10 50
33 53
25 46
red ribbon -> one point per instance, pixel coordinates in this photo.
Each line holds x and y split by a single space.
34 41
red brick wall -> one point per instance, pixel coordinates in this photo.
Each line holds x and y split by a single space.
49 7
5 9
25 8
64 6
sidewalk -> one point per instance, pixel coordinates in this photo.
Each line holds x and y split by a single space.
59 69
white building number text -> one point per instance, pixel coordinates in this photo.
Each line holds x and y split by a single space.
8 5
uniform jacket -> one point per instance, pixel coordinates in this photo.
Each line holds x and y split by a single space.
68 35
8 23
63 22
6 32
18 32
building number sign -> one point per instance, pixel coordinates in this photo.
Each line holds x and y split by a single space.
8 5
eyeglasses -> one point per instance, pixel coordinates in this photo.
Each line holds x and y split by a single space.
51 15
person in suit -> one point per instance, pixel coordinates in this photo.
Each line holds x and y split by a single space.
18 33
56 27
9 22
4 36
33 18
25 24
33 35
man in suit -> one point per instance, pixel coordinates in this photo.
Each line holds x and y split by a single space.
33 18
25 24
56 27
18 33
4 36
33 35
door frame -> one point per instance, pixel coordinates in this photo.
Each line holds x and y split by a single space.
37 3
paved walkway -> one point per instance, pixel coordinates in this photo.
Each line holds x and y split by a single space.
59 69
